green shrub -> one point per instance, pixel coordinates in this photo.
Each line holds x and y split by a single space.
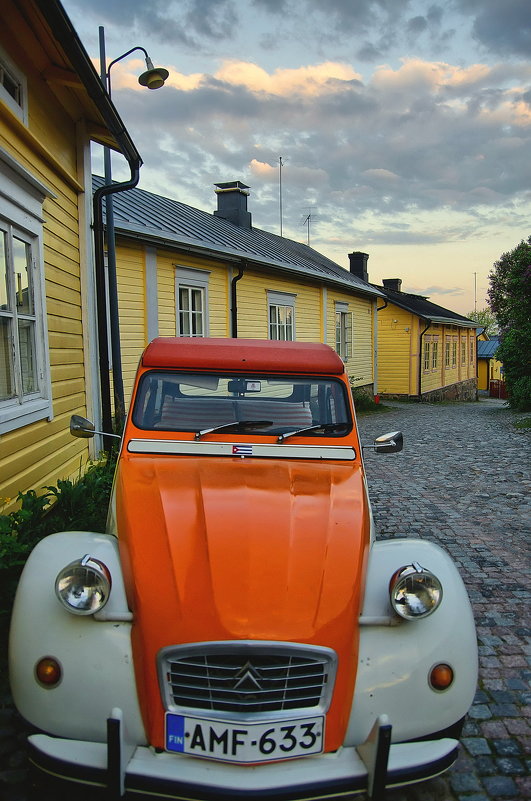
363 401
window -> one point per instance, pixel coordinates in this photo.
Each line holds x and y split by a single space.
427 345
192 302
454 352
472 351
434 354
12 86
255 403
463 351
344 324
447 352
25 392
281 310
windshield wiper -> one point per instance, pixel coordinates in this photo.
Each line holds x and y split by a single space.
239 426
324 427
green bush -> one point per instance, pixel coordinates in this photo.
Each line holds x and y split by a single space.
363 402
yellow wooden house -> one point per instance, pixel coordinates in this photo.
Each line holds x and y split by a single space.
490 371
52 105
425 352
186 272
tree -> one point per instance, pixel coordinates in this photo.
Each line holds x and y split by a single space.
486 319
509 298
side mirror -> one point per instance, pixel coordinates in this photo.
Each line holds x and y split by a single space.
389 443
81 427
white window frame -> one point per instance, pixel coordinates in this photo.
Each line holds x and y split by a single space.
19 108
189 279
21 201
435 353
426 356
281 302
344 330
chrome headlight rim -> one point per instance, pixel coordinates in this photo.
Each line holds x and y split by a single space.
83 598
415 592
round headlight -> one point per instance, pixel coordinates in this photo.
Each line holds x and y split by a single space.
83 586
415 592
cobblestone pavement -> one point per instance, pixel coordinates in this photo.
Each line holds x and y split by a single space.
463 481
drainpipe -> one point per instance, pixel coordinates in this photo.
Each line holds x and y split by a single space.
101 294
234 300
421 357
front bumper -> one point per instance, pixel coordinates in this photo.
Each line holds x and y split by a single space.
346 771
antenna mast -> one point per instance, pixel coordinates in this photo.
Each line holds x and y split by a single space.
280 189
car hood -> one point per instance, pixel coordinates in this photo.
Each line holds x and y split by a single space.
230 549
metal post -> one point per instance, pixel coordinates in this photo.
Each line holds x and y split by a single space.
118 385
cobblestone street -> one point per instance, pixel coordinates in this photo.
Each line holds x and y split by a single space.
463 481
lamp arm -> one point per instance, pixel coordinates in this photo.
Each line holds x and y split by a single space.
113 62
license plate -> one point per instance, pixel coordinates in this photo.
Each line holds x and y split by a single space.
243 742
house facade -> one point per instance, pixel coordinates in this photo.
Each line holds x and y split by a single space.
182 271
52 105
490 370
425 351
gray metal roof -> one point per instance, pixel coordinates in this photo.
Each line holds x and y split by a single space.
166 222
486 350
426 309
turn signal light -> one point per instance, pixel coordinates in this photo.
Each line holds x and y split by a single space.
48 671
441 677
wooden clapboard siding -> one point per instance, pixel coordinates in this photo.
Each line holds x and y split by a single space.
253 320
397 356
360 365
43 452
130 274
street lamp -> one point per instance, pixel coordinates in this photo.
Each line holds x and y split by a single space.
153 78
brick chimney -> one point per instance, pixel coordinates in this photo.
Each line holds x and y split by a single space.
358 264
232 203
393 284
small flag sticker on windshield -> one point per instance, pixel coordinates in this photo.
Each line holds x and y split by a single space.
242 450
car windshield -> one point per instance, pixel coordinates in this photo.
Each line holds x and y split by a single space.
172 401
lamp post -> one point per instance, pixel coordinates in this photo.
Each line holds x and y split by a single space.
153 78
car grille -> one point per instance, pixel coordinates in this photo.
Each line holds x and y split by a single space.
247 678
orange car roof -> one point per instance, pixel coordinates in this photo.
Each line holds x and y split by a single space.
203 353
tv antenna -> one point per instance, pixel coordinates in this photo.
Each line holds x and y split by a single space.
310 217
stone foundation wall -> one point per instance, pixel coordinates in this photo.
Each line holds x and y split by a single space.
462 391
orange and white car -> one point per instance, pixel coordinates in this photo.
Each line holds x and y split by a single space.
238 632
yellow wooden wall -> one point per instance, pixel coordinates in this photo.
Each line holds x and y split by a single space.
360 366
38 454
396 354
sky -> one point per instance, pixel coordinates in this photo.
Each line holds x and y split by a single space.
404 126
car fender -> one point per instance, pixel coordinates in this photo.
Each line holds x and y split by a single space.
95 654
396 655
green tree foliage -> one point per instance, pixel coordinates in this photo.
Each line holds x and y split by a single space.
485 318
509 298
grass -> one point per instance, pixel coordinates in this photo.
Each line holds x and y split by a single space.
523 424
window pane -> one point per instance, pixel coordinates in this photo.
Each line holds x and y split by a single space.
4 304
197 300
23 282
7 388
26 336
183 299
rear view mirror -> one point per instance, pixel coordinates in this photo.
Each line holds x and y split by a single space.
389 443
81 427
